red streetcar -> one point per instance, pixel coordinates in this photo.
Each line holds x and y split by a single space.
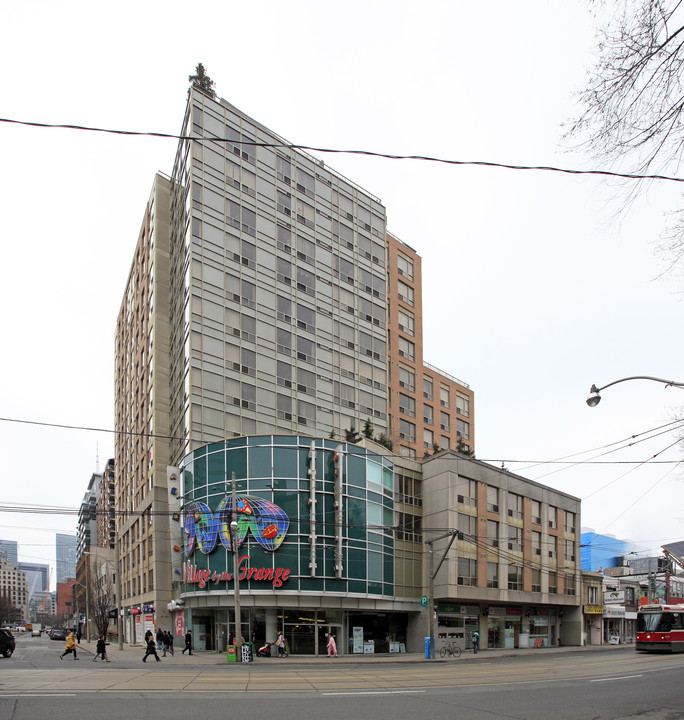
660 628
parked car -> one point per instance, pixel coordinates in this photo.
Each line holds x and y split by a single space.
57 634
7 643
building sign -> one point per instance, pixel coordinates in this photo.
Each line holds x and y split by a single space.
194 576
614 596
614 611
593 609
204 528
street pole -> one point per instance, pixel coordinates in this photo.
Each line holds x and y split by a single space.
119 619
236 579
87 602
453 534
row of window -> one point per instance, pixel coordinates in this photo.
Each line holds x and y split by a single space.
467 575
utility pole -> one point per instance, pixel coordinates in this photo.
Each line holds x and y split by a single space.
431 588
236 579
119 619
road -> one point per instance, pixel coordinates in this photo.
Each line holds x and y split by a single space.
587 684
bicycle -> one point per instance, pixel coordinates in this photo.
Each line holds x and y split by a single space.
450 649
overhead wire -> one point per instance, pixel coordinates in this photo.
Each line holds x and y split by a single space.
369 153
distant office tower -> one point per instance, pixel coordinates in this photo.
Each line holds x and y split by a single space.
66 553
8 551
37 576
14 592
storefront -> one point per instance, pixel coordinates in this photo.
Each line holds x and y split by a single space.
305 524
457 623
593 625
613 624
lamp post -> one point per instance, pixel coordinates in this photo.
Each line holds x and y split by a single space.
236 578
595 398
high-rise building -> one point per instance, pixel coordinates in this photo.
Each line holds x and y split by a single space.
258 303
87 515
14 595
37 575
8 550
429 409
66 554
106 508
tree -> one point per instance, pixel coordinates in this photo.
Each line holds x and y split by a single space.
633 102
384 440
101 599
463 449
351 436
368 429
202 81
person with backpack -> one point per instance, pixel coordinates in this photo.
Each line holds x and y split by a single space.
70 647
476 642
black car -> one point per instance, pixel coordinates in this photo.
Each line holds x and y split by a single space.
57 634
7 643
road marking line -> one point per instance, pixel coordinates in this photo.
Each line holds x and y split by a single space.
624 677
374 692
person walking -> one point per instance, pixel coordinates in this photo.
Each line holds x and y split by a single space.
101 649
280 645
188 643
151 649
476 642
332 646
70 647
161 641
169 642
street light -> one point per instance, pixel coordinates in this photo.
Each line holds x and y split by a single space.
594 398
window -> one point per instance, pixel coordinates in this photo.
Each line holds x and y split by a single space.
407 405
306 318
492 533
462 405
536 512
444 422
428 438
536 580
284 406
466 525
552 544
551 516
570 551
284 202
569 584
492 575
248 396
407 431
515 506
467 571
427 388
569 522
409 527
305 213
343 269
248 361
492 499
306 281
405 266
428 414
466 492
283 341
284 239
405 293
284 271
248 294
306 413
444 396
283 171
462 429
536 543
306 250
305 349
284 306
515 539
306 381
284 374
306 183
406 322
592 595
514 577
407 378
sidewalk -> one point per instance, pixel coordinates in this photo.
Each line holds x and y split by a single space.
135 653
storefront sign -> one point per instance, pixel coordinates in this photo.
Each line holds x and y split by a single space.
593 609
194 576
614 596
613 611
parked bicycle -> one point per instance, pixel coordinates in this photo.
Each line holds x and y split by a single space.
451 649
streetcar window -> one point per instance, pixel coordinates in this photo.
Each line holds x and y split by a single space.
647 622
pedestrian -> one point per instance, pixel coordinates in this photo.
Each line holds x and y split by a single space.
148 635
151 649
78 635
476 642
280 645
101 649
70 647
332 646
169 642
161 641
188 643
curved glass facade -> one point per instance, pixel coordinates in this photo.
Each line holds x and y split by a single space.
313 516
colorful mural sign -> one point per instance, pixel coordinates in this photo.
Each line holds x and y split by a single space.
193 575
204 528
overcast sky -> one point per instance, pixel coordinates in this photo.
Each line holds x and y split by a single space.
535 286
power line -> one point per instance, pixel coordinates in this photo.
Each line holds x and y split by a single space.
368 153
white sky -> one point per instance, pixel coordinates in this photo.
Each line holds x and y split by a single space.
533 287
